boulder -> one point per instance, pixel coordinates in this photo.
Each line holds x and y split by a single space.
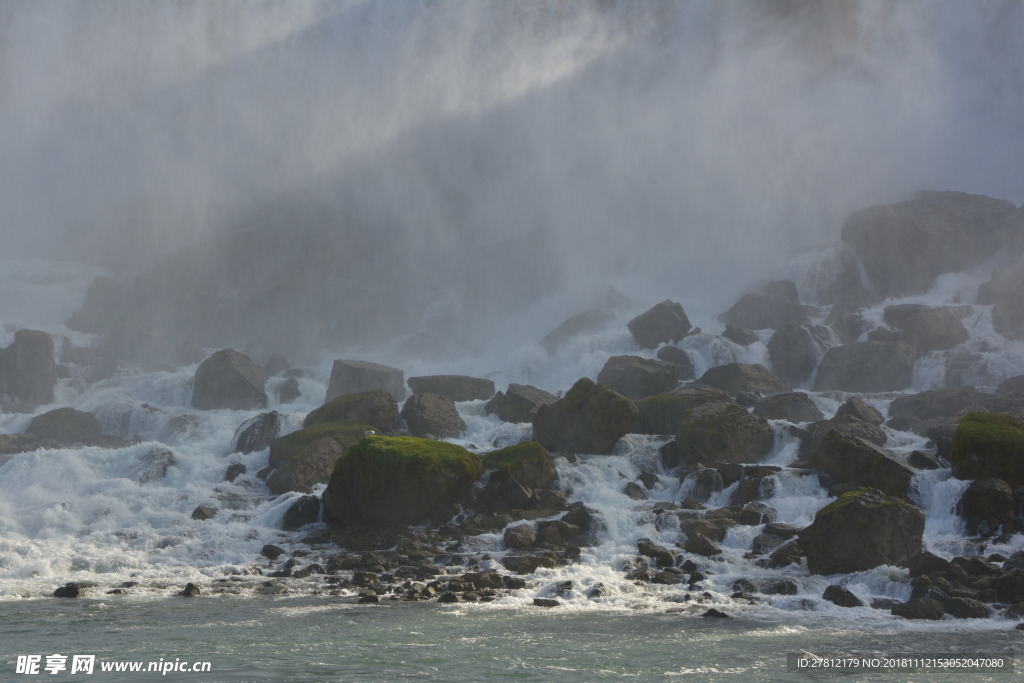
718 433
635 377
859 410
774 306
1003 293
987 507
926 328
738 335
702 483
589 419
399 480
794 351
357 376
866 367
904 246
841 596
28 371
308 466
204 512
453 387
519 403
283 448
376 408
256 433
850 460
919 608
153 465
989 445
663 413
699 544
860 530
305 510
1008 583
527 463
740 378
519 537
432 415
920 411
677 356
229 379
288 391
65 427
1013 387
663 323
793 406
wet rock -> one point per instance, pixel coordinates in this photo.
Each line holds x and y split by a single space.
229 379
189 591
854 461
1003 293
924 461
284 448
922 410
65 427
857 409
664 322
850 427
926 328
738 335
663 413
528 564
741 378
774 306
718 433
966 608
1012 387
1008 582
678 357
715 614
703 483
780 587
546 602
794 351
866 367
70 590
528 463
357 376
793 406
153 465
663 557
305 510
288 391
634 491
28 371
271 551
635 377
589 419
433 416
754 514
926 563
308 466
714 529
919 608
585 322
204 512
234 471
519 536
376 408
519 403
453 387
988 507
256 433
988 445
699 544
841 596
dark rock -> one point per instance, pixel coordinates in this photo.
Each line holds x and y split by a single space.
755 514
699 544
635 377
703 483
924 461
663 413
519 403
920 411
256 433
841 596
774 306
65 427
204 512
288 391
189 591
432 415
739 378
28 371
308 466
663 557
793 406
989 445
849 427
1008 582
926 563
966 608
718 433
276 364
305 510
376 408
715 614
153 465
229 379
1013 386
860 530
738 335
988 507
859 410
634 491
272 552
925 328
234 471
519 536
866 367
546 602
101 308
679 357
852 460
780 587
70 590
587 322
919 608
356 376
589 419
527 564
287 446
527 463
788 553
453 387
794 352
665 322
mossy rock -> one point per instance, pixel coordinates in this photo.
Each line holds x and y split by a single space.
283 448
376 408
527 463
589 419
989 445
384 480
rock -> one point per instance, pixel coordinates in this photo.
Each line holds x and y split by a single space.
904 246
919 608
702 483
816 432
926 328
699 544
755 514
189 591
546 602
738 378
527 564
587 322
860 530
841 596
1013 386
715 614
788 553
308 466
357 376
854 461
988 507
676 356
663 413
857 409
919 411
272 552
153 465
774 306
866 367
664 323
70 590
738 335
432 415
453 387
648 479
204 512
527 463
989 445
276 364
965 608
780 587
794 352
717 433
283 448
519 403
305 510
714 529
924 461
519 536
288 391
28 371
229 379
793 406
589 419
1003 293
1008 583
376 408
65 427
398 480
635 377
256 433
663 557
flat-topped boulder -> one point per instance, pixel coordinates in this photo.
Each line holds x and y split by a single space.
741 378
663 323
589 419
432 416
28 372
376 408
635 377
357 376
453 387
519 403
229 379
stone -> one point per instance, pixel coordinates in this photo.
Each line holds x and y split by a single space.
70 590
229 379
357 376
794 352
519 537
699 544
586 322
376 408
305 510
153 465
546 602
453 387
635 377
919 608
663 557
714 529
1003 293
841 596
663 323
519 403
917 412
634 491
738 378
100 310
989 445
65 427
713 613
527 564
859 410
276 364
677 356
702 483
527 463
738 335
866 367
308 466
204 512
28 371
718 433
1014 386
774 306
863 529
988 507
399 480
256 433
284 447
432 415
189 591
1008 583
663 413
590 419
794 406
854 461
288 391
926 328
788 553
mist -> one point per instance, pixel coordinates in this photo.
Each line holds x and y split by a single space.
448 166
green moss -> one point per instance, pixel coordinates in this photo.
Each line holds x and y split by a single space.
579 394
989 445
369 406
512 456
345 434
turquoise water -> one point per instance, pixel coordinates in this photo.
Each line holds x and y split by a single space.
331 638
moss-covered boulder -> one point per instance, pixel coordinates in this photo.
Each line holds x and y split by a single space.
663 413
283 448
528 463
863 529
589 419
989 445
851 460
717 433
385 480
376 408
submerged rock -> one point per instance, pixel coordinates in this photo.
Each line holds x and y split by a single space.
589 419
229 379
